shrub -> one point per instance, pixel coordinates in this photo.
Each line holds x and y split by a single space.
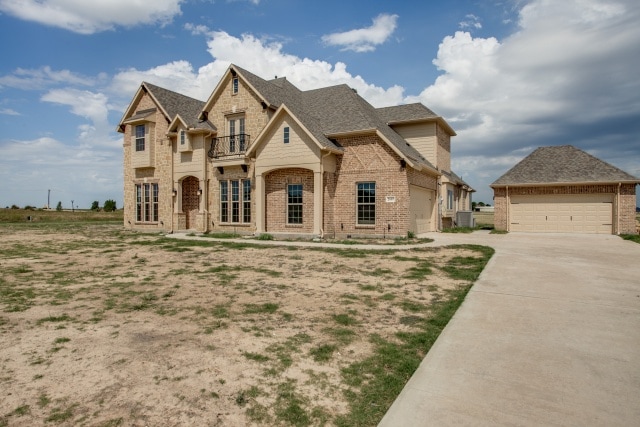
109 205
95 206
59 206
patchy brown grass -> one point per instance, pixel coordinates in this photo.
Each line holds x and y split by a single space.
101 326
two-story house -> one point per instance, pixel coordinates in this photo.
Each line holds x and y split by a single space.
262 156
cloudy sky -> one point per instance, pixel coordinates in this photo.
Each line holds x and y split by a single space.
508 75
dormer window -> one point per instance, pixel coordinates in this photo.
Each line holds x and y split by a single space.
140 131
235 84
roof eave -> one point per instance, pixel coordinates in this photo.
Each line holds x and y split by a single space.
555 184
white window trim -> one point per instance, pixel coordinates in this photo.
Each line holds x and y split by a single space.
375 218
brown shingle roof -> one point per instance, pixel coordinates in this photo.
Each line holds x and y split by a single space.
562 164
406 113
177 104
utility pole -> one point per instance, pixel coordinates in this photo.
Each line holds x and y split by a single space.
48 199
72 206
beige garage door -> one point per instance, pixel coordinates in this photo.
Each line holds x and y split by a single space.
420 209
588 213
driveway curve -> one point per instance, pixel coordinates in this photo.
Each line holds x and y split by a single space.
548 335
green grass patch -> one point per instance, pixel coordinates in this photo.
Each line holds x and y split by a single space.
323 352
460 229
54 319
266 308
468 267
256 357
344 319
631 237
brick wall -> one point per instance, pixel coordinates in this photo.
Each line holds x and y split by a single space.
625 211
276 200
367 159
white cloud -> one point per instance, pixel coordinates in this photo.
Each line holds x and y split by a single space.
71 172
9 112
88 17
364 39
565 74
28 79
471 21
90 105
261 57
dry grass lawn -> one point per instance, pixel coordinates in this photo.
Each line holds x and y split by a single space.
104 327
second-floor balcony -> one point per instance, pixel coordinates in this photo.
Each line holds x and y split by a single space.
232 146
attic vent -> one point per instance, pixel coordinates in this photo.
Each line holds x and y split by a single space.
354 90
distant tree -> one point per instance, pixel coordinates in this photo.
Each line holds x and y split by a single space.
29 208
59 206
15 207
95 206
473 205
481 204
109 205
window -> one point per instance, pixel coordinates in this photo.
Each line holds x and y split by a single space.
236 135
147 202
246 200
224 201
182 137
449 199
286 135
140 130
235 201
235 205
235 85
366 203
294 204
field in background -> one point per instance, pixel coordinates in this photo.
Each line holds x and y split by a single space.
483 218
49 216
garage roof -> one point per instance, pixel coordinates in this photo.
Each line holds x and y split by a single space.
562 164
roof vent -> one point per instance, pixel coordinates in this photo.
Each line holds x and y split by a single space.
354 90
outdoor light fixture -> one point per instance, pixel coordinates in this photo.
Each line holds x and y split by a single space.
199 191
403 163
175 192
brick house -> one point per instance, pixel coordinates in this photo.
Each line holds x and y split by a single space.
564 189
265 157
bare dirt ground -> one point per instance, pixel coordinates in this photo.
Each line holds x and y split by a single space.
103 327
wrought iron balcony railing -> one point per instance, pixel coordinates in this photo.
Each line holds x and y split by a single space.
229 146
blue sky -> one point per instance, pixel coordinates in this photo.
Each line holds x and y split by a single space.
508 75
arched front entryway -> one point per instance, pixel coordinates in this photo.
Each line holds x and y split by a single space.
190 201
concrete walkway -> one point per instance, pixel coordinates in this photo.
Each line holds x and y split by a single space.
548 336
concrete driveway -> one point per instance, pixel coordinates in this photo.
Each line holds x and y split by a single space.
549 335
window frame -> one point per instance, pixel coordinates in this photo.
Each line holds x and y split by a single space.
147 203
140 139
449 199
235 85
295 209
363 201
286 135
183 137
235 201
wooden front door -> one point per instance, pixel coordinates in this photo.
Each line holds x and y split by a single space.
190 200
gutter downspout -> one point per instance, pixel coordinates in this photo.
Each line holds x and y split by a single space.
508 210
172 184
322 193
618 210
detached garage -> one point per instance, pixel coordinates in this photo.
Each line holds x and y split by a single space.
565 190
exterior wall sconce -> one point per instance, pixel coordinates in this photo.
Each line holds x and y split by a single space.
403 163
174 192
199 191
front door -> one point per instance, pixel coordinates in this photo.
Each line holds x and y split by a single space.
190 200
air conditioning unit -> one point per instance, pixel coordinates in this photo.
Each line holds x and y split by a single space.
465 219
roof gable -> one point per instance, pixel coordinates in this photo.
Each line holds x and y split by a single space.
562 164
171 104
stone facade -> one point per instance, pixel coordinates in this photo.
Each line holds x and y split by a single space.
189 181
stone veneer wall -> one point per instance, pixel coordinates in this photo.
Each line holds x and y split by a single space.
160 172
